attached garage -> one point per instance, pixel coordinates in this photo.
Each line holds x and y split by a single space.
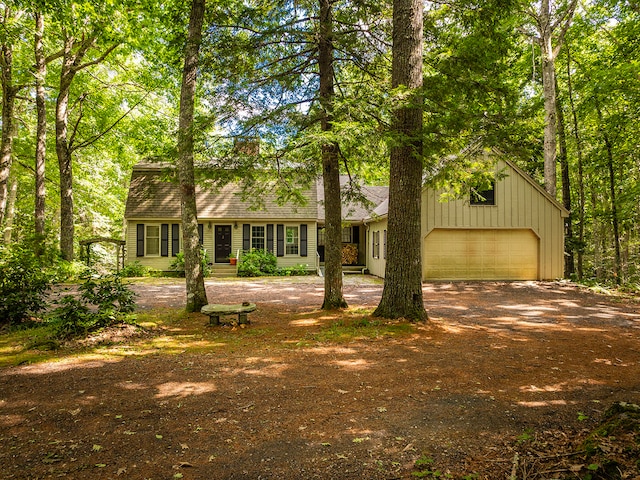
481 254
508 229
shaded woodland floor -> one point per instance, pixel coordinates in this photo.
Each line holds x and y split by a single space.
506 380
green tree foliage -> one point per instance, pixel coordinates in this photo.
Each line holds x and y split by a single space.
603 51
260 80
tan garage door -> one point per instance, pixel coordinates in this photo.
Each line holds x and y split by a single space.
463 254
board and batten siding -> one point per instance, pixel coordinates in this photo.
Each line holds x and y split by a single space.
519 204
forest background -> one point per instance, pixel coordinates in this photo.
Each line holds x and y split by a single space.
91 88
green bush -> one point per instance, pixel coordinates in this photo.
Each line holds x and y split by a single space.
178 263
23 285
256 263
71 318
103 301
70 271
297 270
135 269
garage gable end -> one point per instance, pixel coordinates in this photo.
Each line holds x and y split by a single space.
520 212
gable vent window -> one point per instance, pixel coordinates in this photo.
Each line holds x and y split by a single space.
485 196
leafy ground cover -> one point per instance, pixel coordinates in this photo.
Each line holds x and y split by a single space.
517 380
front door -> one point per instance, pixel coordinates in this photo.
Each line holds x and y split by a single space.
223 243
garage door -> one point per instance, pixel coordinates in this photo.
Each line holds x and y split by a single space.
463 254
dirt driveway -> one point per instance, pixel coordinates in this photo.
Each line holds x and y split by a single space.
505 378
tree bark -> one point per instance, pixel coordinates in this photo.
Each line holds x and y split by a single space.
569 242
9 92
41 135
548 30
333 297
67 73
402 292
73 53
196 294
10 210
613 196
581 193
549 93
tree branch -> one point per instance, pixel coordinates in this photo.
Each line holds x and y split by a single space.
98 60
566 18
97 137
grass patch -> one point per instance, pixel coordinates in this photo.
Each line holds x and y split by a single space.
24 346
349 329
173 332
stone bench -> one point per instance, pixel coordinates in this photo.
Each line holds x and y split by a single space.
216 310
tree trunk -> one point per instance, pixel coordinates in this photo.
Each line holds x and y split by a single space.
333 297
10 210
402 292
614 201
64 152
548 30
41 136
581 193
8 102
549 93
196 294
569 242
73 54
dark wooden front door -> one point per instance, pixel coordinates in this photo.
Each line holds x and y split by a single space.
223 243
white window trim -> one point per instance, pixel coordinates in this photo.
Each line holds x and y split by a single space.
297 244
264 236
376 244
147 236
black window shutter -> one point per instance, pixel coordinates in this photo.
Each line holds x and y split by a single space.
270 238
140 240
175 239
280 240
201 233
303 240
164 240
246 237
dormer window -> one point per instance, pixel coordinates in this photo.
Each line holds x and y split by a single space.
484 196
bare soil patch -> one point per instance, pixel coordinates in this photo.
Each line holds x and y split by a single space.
505 379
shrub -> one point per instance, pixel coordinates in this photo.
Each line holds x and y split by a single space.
297 270
71 318
178 263
23 285
256 263
103 301
135 269
71 271
109 294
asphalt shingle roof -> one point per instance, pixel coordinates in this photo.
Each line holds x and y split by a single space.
152 196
